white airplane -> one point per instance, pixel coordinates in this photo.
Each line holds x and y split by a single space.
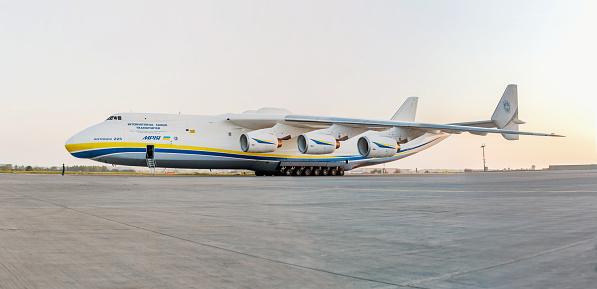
273 141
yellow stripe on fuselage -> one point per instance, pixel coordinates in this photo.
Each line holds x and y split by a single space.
90 146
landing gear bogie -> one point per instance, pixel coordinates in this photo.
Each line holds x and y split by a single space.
304 171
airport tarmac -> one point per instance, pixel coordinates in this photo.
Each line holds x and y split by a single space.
476 230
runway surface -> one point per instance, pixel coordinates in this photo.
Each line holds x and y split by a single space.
479 230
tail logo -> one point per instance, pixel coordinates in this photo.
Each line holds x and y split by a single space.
507 106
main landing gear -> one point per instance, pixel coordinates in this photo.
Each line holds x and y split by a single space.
311 171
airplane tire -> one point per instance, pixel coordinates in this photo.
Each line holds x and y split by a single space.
259 173
333 172
316 171
288 172
298 172
325 171
340 171
307 172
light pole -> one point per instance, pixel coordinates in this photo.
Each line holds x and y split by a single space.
484 166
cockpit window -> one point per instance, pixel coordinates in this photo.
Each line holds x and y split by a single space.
115 117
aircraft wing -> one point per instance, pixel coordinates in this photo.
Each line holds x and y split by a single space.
485 123
380 124
257 121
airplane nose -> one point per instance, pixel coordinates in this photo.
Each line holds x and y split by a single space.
71 140
70 143
102 135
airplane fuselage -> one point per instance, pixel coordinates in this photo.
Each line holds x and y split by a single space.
211 142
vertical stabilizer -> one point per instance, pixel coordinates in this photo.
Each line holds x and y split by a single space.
505 115
407 111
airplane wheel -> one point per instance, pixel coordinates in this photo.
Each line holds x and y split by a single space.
316 171
325 171
307 172
340 171
288 172
298 172
259 173
333 171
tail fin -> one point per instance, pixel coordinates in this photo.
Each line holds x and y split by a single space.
505 115
407 111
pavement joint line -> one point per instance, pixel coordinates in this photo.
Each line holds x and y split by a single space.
455 274
416 287
209 245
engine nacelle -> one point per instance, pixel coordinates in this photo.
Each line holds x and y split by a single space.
377 146
259 142
316 144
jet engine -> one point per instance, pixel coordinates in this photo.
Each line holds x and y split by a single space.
377 146
259 142
316 144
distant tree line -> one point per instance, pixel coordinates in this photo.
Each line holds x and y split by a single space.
384 171
86 169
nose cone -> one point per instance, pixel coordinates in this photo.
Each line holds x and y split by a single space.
80 142
71 144
85 143
70 141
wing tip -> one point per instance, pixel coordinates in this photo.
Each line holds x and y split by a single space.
557 135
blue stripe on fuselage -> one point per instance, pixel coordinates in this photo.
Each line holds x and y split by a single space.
89 154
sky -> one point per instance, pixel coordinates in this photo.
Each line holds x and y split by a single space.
67 65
